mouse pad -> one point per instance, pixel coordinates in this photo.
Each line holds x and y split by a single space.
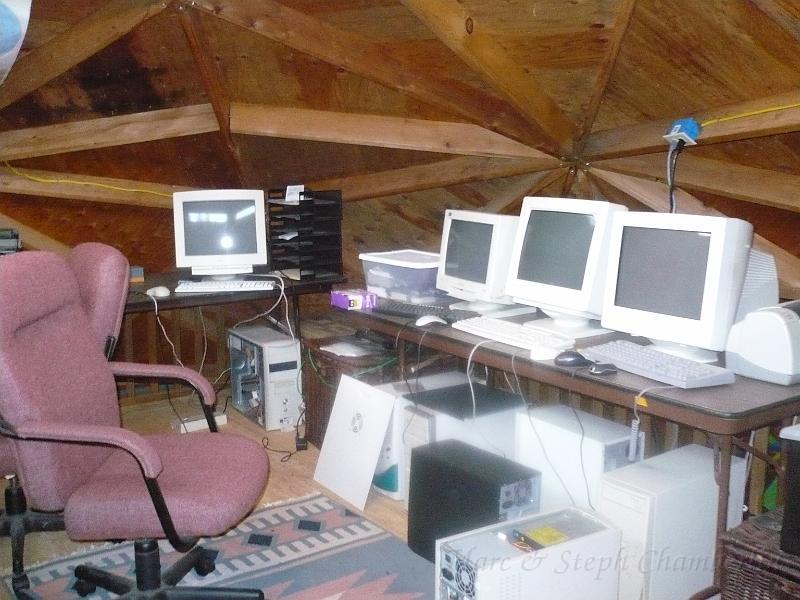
456 400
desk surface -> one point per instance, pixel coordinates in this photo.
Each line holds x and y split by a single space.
138 301
729 409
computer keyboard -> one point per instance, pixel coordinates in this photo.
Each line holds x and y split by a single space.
541 344
396 308
226 285
654 364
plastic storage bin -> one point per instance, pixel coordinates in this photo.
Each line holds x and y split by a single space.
405 275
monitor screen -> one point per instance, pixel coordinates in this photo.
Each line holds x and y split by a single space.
220 232
468 247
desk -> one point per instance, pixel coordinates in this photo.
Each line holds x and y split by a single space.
723 411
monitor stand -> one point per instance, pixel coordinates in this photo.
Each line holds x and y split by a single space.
480 306
694 353
567 325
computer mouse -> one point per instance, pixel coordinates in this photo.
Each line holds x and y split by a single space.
572 358
429 320
160 291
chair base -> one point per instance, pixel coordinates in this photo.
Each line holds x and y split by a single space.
151 583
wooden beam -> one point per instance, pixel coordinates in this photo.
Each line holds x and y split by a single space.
107 131
477 48
624 14
759 186
524 186
50 184
755 118
32 239
788 20
362 56
213 82
376 130
655 195
93 33
423 177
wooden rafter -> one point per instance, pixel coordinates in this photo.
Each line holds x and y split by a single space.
788 20
759 186
476 47
375 130
624 14
33 239
372 60
423 177
655 195
49 184
107 131
756 118
102 27
524 186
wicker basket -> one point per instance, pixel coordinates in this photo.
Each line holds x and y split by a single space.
753 565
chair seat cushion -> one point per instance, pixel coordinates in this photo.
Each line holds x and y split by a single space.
210 482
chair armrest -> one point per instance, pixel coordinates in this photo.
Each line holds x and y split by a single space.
128 369
131 442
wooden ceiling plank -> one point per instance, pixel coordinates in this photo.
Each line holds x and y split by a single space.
750 184
107 131
33 239
213 81
422 177
745 120
363 57
654 195
524 186
624 14
465 36
51 184
787 20
376 130
93 33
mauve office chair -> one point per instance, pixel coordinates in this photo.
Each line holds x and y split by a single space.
58 403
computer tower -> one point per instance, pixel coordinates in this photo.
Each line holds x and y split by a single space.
666 508
572 556
572 449
265 385
456 487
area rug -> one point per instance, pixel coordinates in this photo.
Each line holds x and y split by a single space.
306 549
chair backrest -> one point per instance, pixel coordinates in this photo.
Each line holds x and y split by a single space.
51 369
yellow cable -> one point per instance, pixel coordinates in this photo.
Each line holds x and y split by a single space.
78 182
750 114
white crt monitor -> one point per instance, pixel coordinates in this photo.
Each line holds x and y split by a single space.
558 262
474 257
220 232
676 279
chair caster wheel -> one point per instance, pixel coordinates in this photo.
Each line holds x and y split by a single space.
205 566
84 588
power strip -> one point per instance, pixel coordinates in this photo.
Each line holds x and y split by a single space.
198 423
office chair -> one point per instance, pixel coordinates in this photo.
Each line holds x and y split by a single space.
102 273
58 402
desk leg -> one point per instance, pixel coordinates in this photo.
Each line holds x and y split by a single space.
296 315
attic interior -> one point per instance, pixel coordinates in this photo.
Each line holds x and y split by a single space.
409 107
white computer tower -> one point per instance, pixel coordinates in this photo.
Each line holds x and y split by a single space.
576 559
666 508
265 382
572 449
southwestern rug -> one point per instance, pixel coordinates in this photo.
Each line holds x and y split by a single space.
310 548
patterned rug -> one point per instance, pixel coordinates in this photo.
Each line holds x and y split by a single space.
306 549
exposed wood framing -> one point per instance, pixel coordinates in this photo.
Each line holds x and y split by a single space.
760 186
369 59
375 130
524 186
95 32
32 239
478 49
49 184
755 118
788 21
655 195
107 131
423 177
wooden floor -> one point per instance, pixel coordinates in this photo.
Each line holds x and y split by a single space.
288 479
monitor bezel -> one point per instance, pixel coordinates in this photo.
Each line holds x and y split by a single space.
220 264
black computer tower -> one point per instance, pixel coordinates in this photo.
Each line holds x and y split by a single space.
455 487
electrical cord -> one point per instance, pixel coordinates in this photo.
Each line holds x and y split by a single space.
672 162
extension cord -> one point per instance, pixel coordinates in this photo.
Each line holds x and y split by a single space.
198 423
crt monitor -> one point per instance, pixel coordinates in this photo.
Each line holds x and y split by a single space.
220 233
558 262
676 279
473 258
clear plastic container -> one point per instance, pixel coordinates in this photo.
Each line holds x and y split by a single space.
405 275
